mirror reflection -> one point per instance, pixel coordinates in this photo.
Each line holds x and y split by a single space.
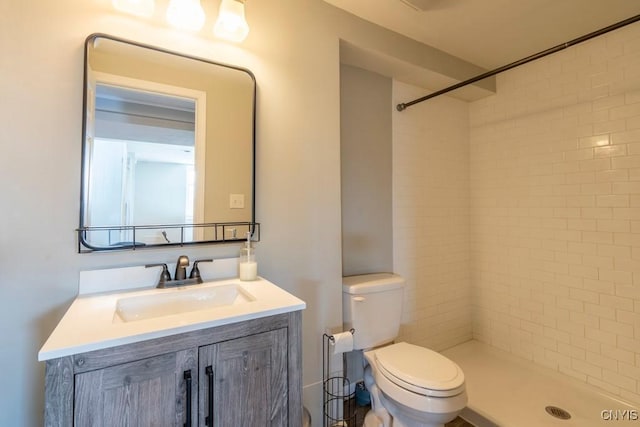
168 148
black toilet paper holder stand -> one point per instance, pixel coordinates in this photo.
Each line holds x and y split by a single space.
339 406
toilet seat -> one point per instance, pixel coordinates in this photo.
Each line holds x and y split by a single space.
420 370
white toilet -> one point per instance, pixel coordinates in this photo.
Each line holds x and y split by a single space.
410 386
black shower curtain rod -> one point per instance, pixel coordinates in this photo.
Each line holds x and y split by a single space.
402 106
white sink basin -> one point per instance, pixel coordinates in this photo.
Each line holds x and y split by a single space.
180 300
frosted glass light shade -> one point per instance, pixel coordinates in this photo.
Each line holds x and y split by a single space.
231 24
186 14
143 8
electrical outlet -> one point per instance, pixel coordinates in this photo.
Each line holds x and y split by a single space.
236 201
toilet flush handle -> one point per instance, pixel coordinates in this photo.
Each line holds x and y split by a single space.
358 299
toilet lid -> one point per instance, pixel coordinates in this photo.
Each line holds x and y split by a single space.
420 369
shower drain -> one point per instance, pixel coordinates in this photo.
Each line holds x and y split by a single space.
556 412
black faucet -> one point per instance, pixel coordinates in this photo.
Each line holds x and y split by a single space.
181 268
180 276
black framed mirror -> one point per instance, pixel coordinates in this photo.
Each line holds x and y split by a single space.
168 148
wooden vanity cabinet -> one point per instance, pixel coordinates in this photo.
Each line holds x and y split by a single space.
148 392
242 374
243 382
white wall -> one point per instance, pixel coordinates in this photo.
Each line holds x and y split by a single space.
555 213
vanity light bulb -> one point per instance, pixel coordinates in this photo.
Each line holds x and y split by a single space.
186 14
142 8
231 24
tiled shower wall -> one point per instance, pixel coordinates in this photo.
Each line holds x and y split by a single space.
555 212
431 217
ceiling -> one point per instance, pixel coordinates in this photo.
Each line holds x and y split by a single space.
492 33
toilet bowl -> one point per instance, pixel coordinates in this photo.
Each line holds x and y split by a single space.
417 386
410 386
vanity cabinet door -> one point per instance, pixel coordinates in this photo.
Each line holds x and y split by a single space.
243 382
149 392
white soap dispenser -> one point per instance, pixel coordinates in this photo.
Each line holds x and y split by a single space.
248 267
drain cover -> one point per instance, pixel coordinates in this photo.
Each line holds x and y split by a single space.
556 412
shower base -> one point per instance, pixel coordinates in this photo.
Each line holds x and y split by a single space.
508 391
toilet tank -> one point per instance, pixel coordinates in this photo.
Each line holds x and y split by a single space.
372 306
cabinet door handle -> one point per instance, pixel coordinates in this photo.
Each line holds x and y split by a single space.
209 419
187 378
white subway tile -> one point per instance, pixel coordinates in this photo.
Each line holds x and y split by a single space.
581 177
581 201
632 123
626 162
609 126
615 302
606 386
626 137
626 187
600 336
601 160
628 291
614 250
585 343
624 111
627 239
619 380
594 141
597 213
612 175
570 304
572 328
615 226
599 286
600 311
622 356
597 237
577 155
573 373
583 271
629 317
598 261
602 361
617 328
609 151
630 344
586 319
614 201
586 368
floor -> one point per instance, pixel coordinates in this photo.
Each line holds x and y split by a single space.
459 422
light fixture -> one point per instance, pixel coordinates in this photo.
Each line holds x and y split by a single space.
143 8
186 14
231 24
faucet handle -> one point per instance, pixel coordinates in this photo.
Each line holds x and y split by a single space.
195 272
164 275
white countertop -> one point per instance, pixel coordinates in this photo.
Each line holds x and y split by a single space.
91 322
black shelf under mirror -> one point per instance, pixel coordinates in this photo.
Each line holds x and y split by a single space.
134 237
